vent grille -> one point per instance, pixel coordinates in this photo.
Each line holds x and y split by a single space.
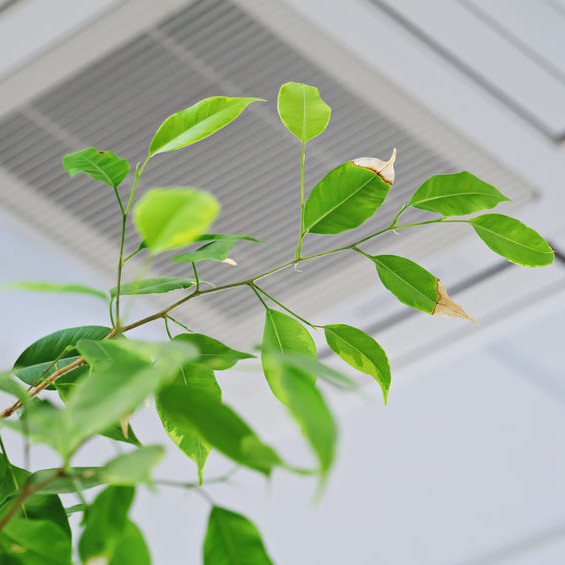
210 48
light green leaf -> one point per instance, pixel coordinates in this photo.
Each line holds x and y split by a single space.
85 477
416 287
131 548
294 386
169 218
213 353
192 377
36 542
456 195
360 351
56 287
199 412
197 122
102 166
231 539
513 240
348 195
54 351
133 467
281 335
221 236
302 110
105 524
153 286
10 386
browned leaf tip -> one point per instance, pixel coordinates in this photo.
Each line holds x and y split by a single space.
446 307
385 169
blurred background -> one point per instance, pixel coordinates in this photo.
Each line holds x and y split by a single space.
466 464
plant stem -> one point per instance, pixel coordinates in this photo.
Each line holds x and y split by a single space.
196 276
165 312
256 291
179 323
167 329
254 286
301 233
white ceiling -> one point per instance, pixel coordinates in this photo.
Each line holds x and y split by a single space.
466 464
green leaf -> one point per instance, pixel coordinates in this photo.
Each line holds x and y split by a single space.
200 413
192 377
47 507
131 548
456 195
56 287
416 287
105 524
153 286
10 386
102 166
132 468
302 110
54 351
294 386
360 351
36 542
197 122
281 335
231 539
169 218
85 477
222 236
213 251
213 353
347 196
66 385
513 240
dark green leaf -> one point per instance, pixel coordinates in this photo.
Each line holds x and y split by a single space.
302 110
231 539
348 196
513 240
192 377
39 359
57 287
282 335
197 122
102 166
106 521
169 218
132 468
213 353
360 351
36 542
153 286
456 195
200 413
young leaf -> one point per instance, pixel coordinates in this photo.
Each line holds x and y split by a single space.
197 122
360 351
416 287
36 542
513 240
106 521
54 351
153 286
348 195
456 195
169 218
133 467
102 166
302 110
192 377
281 335
231 539
200 413
213 353
56 287
213 251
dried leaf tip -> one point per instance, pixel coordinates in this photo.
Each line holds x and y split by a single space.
385 169
446 307
229 261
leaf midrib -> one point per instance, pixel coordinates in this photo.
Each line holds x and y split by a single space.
480 226
459 194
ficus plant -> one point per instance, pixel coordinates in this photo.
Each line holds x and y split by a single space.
87 381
